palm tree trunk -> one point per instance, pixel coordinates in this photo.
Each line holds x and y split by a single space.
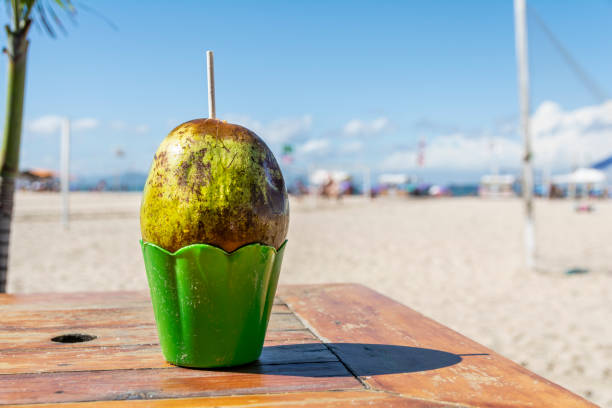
17 49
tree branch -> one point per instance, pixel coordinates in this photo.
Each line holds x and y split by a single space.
16 15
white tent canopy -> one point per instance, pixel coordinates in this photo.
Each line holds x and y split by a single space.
582 175
507 179
321 176
394 179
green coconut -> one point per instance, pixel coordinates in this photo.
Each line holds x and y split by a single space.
216 183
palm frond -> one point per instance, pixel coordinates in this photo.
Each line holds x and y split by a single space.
28 4
56 20
48 15
42 16
96 13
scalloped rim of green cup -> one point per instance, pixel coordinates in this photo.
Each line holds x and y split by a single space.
188 247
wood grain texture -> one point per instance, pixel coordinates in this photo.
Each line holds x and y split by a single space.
71 300
332 399
402 359
395 349
172 383
124 362
77 300
25 339
82 300
141 357
133 316
20 320
15 340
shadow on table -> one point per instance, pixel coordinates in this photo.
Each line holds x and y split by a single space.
321 360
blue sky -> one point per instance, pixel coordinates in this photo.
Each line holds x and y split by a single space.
345 82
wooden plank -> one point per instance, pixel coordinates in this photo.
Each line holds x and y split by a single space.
284 322
140 356
332 399
173 383
291 336
68 305
85 318
79 300
395 349
15 340
70 300
81 359
135 316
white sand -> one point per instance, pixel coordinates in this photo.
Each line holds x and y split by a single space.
458 261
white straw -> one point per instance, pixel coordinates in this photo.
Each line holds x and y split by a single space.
210 68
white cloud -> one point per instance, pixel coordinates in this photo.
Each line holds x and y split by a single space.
315 146
85 124
352 147
45 124
283 130
358 127
277 131
560 140
122 126
458 152
49 124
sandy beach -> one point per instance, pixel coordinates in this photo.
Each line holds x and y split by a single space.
458 261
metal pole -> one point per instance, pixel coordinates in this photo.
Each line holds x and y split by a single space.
520 26
65 170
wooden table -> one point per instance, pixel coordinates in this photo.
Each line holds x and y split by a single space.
327 346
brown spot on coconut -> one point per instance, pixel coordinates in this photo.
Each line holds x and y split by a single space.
221 186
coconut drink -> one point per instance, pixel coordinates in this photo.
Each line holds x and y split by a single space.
214 219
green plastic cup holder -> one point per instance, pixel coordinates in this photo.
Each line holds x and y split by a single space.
212 307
